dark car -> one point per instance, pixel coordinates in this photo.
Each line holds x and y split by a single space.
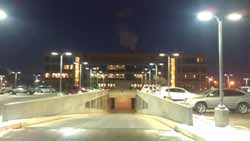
76 90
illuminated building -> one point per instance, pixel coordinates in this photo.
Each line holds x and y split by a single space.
127 70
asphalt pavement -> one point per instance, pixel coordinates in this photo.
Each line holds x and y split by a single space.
108 127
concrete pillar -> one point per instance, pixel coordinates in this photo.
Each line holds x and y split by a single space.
221 116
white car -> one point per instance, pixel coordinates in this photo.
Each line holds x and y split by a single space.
175 93
245 88
233 99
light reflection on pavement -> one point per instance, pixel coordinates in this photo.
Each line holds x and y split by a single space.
110 127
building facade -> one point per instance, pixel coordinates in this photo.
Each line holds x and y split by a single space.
127 70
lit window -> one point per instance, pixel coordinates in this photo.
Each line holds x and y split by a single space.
116 67
77 59
57 75
185 75
138 76
66 67
47 75
194 76
198 60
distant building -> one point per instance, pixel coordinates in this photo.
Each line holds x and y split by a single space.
5 77
124 70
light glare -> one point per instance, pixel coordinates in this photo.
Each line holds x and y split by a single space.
3 15
162 54
161 64
54 53
175 54
234 16
85 63
68 53
205 16
151 64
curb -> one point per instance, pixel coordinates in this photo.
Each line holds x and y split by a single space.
34 121
179 129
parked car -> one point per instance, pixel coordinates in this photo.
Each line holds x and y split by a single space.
23 89
76 90
45 89
4 90
149 88
245 88
233 99
175 93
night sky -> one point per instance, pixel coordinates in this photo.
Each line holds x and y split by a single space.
37 26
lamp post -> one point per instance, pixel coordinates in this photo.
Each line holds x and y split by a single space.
246 79
221 112
156 72
146 75
142 77
149 76
1 80
15 73
228 75
209 79
36 77
90 76
169 63
61 66
80 73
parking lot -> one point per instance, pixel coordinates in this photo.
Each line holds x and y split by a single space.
236 119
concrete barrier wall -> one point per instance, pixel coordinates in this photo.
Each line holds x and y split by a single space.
89 102
153 105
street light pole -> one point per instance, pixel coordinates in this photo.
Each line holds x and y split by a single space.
1 80
149 76
246 79
61 67
146 78
220 61
156 75
228 79
221 112
80 79
15 73
169 63
156 71
169 74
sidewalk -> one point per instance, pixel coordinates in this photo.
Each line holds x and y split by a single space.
205 130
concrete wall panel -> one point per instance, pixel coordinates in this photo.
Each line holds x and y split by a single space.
73 104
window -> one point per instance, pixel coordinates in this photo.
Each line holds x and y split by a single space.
178 90
47 75
175 90
57 75
214 94
198 60
116 67
232 93
66 67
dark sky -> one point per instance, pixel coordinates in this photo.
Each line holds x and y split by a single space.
37 26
